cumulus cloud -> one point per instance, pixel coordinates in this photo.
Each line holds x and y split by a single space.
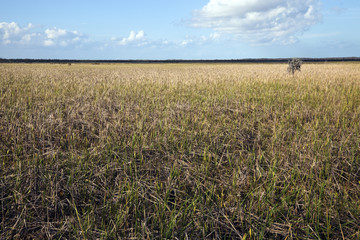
62 37
55 33
12 33
258 20
134 37
138 39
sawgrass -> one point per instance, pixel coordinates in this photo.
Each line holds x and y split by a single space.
179 151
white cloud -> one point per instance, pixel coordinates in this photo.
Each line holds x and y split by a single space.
212 36
28 38
137 39
49 43
186 42
12 33
258 20
62 37
198 40
134 37
55 33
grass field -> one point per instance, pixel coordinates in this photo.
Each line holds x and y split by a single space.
179 151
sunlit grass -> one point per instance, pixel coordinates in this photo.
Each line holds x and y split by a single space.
180 151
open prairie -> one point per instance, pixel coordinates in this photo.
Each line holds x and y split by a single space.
179 151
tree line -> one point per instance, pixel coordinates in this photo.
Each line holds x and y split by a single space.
245 60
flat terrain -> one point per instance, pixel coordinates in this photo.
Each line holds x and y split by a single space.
179 151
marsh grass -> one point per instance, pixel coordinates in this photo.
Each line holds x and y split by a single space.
179 151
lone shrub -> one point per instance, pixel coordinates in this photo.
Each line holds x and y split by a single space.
294 65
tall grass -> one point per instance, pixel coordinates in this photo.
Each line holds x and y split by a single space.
179 151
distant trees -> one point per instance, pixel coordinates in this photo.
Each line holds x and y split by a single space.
294 65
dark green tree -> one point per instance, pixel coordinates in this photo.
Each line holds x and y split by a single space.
294 65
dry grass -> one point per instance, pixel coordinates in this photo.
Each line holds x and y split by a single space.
186 151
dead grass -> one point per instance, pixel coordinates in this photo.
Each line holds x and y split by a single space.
186 151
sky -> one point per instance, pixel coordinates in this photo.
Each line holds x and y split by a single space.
186 29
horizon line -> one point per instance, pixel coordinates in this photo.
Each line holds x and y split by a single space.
239 60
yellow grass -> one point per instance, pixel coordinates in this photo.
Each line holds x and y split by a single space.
198 151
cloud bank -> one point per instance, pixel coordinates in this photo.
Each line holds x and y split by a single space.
259 21
13 34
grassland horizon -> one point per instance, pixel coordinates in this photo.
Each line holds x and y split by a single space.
167 61
179 151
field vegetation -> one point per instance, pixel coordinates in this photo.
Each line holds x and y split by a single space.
179 151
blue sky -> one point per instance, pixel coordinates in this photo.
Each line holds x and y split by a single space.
186 29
